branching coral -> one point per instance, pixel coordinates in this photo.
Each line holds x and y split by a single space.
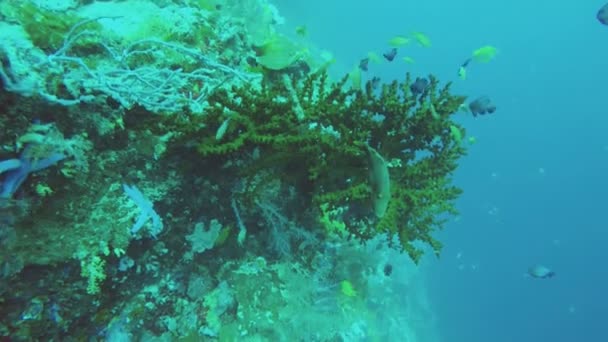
325 154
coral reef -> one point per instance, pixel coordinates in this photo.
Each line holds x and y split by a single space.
204 177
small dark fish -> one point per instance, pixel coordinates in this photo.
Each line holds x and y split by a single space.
390 54
252 62
388 269
419 86
375 82
54 314
602 15
363 64
481 106
540 271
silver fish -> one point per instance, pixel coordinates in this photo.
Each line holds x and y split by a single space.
540 271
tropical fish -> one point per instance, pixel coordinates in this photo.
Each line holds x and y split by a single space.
540 271
462 71
602 14
482 55
375 81
279 53
355 78
456 133
347 288
390 54
373 57
379 180
485 54
301 31
363 64
482 105
419 86
422 39
327 59
388 269
399 41
409 60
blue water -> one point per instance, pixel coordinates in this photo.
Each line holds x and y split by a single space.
535 183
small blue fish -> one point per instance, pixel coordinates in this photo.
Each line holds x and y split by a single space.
390 54
363 64
375 82
482 105
419 86
54 313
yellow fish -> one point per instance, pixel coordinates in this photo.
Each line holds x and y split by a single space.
409 60
374 57
422 39
456 133
485 54
347 288
355 78
399 41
